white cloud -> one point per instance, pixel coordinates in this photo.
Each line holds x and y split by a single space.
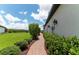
25 21
13 22
18 26
43 12
41 27
11 18
23 13
2 22
2 12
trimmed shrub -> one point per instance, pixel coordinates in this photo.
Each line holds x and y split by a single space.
74 51
39 31
59 45
22 45
13 50
34 30
29 40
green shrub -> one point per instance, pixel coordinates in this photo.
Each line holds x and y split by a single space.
34 30
23 45
72 40
59 45
29 40
39 31
13 50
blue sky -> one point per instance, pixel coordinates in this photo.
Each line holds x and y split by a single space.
19 16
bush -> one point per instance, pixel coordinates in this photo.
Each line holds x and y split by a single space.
13 50
23 45
34 30
74 51
29 41
39 31
59 45
53 43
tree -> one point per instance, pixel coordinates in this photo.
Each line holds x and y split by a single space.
34 30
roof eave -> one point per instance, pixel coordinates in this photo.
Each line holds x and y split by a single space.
52 12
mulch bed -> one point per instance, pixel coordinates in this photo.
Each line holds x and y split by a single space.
26 50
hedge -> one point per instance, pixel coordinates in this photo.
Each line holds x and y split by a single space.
22 45
34 30
59 45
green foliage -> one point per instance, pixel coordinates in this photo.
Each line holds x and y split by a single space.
74 51
59 45
34 30
13 50
8 39
39 31
15 31
29 41
23 44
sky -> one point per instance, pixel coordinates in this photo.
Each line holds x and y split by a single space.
19 16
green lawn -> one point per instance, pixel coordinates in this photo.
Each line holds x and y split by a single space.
8 39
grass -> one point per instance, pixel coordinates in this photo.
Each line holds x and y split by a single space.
8 39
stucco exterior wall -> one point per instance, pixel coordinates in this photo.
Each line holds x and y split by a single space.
68 20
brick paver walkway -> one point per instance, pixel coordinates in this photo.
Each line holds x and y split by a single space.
38 48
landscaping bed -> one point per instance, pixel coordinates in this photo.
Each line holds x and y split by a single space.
60 45
26 50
